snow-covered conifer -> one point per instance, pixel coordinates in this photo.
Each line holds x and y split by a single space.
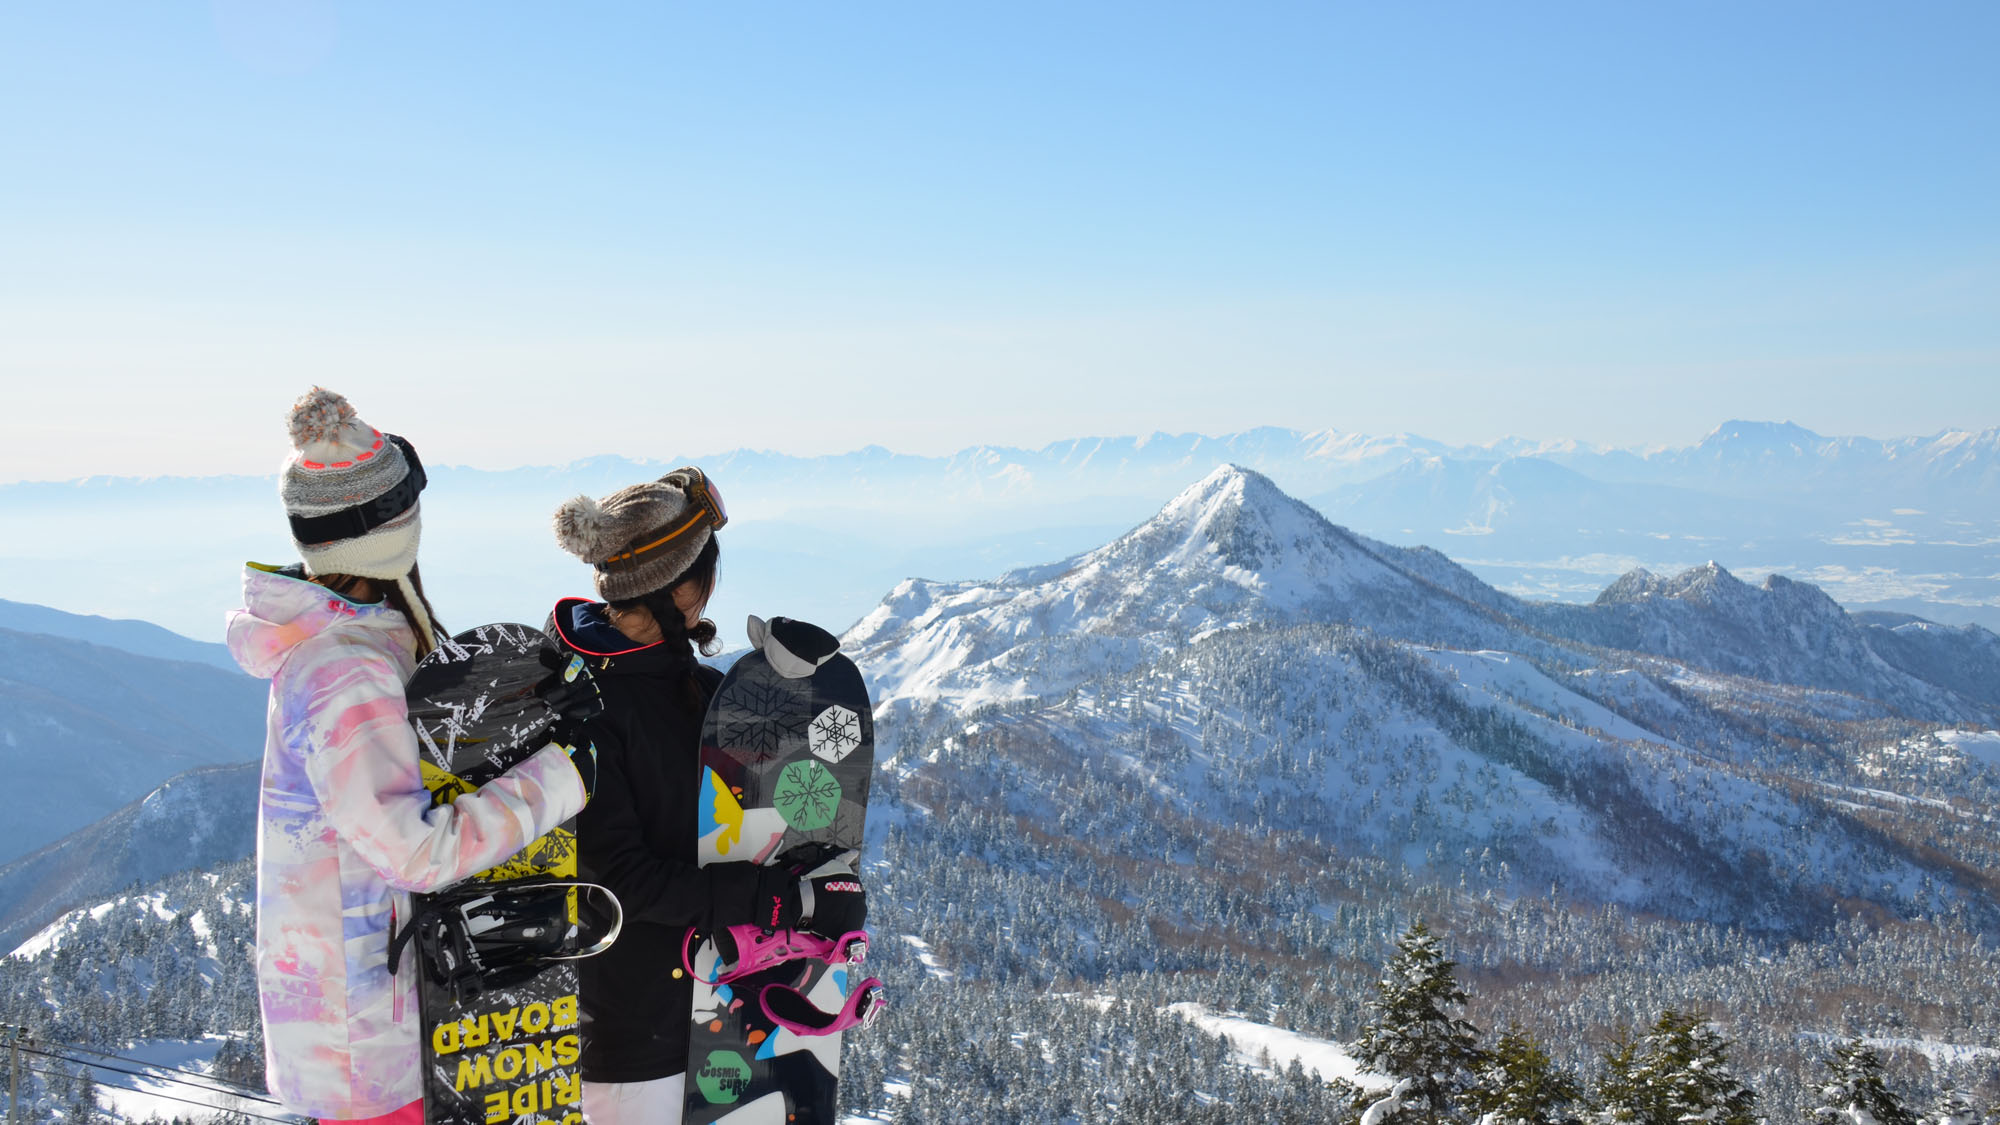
1679 1072
1414 1035
1520 1085
1954 1108
1853 1092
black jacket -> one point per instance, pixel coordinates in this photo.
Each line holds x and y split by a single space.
637 836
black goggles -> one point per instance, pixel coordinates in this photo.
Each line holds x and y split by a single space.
351 523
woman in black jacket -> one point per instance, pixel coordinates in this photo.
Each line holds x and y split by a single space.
654 551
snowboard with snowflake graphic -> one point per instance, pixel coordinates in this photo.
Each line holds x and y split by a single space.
787 753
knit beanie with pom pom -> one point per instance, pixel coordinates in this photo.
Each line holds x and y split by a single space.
644 537
350 491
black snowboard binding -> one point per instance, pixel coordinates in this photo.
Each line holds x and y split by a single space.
474 938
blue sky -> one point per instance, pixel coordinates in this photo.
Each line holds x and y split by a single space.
528 233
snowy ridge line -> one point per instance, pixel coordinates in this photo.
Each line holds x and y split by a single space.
50 1072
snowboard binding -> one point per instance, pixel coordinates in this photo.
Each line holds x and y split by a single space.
788 1008
743 951
472 939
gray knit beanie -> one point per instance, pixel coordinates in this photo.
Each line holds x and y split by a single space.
350 491
644 537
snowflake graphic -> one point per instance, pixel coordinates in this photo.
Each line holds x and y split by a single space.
753 721
835 734
807 796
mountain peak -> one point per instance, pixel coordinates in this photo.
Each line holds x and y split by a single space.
1238 511
1737 434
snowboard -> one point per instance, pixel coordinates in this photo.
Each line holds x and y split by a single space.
787 754
500 1022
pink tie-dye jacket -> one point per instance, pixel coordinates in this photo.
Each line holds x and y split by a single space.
345 831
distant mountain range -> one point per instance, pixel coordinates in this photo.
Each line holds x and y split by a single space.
1905 525
140 638
85 728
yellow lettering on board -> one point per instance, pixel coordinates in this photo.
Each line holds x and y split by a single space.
496 1109
564 1008
568 1048
474 1072
508 1063
476 1033
572 1119
528 1099
569 1088
444 1040
503 1024
541 1056
535 1018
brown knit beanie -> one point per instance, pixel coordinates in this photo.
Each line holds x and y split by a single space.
644 537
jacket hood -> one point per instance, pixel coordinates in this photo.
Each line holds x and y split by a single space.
584 627
281 610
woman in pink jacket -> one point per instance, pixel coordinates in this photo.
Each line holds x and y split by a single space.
345 827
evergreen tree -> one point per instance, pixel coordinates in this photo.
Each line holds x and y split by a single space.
82 1107
1678 1073
1953 1108
1414 1036
1520 1085
1854 1093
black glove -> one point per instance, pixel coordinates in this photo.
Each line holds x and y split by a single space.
832 900
571 692
827 900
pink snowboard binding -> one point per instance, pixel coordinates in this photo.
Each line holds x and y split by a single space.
789 1009
743 950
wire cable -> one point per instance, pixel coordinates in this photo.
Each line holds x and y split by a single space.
154 1078
211 1106
249 1091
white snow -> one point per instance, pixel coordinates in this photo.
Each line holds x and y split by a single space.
1259 1045
1980 745
131 1098
929 959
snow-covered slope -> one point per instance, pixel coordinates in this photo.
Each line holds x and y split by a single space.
1787 632
202 819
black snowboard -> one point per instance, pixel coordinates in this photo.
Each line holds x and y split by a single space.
787 752
507 1053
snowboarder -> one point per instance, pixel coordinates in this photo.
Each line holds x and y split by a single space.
346 828
653 550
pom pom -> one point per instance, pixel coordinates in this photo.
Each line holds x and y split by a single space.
318 417
585 529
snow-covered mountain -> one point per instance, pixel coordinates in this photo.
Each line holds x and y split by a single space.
1229 552
85 728
1789 633
1242 660
201 819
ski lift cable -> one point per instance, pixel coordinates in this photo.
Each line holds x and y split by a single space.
156 1093
249 1091
54 1073
209 1082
